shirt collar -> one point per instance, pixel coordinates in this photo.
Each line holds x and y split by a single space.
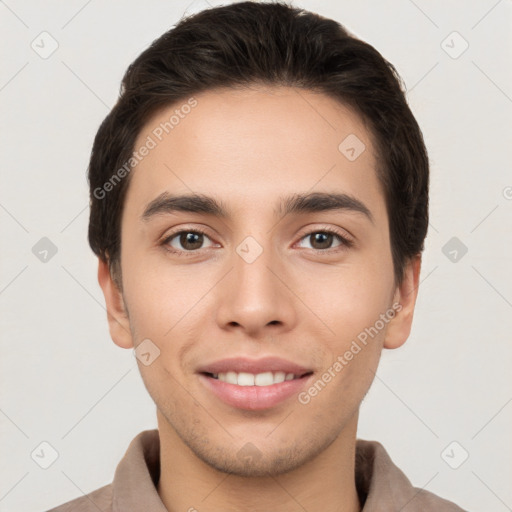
380 484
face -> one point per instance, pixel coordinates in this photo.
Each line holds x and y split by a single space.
257 302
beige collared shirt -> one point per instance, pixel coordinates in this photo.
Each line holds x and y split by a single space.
381 485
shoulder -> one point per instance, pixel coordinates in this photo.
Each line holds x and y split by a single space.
383 486
429 502
100 499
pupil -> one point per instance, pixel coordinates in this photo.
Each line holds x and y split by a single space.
195 240
191 240
322 239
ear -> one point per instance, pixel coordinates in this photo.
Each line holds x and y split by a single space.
399 327
118 321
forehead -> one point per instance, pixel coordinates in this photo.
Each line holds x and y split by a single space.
246 146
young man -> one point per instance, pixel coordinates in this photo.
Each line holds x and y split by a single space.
259 203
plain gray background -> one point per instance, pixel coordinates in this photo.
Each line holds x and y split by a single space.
64 382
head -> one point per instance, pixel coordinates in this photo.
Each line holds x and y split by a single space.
288 130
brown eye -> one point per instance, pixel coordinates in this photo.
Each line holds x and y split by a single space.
186 240
323 240
191 241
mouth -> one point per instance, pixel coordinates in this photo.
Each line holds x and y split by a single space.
254 384
260 379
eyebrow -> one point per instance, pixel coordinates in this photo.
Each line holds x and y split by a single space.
297 203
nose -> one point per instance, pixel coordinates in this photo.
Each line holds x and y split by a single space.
256 297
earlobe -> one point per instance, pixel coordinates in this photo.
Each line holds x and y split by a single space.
399 327
118 321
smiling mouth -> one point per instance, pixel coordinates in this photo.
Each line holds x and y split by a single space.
259 379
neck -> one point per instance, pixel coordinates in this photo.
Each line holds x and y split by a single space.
324 484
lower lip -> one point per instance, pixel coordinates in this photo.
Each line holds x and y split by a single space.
254 398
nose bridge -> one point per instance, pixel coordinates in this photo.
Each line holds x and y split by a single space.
252 263
253 297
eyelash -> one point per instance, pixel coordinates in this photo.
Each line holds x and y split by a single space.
346 243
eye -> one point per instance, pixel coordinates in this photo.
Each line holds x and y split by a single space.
191 240
323 239
186 240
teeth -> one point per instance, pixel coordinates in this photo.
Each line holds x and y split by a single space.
245 379
231 377
280 377
249 379
264 379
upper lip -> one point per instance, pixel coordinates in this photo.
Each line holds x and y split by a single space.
255 366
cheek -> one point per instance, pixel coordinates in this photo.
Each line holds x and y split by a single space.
159 295
350 355
351 300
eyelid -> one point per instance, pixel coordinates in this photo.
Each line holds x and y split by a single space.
346 239
166 239
319 227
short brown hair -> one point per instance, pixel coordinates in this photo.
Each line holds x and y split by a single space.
273 44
